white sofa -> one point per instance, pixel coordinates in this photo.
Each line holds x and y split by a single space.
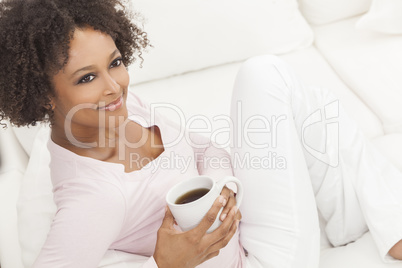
198 48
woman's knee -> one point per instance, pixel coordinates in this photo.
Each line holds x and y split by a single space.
263 60
264 74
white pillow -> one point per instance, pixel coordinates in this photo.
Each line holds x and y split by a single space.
384 16
320 12
192 35
370 64
35 206
26 136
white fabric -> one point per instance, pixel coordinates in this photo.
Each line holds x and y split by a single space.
384 16
121 259
35 204
12 166
280 222
369 63
320 12
313 69
391 147
362 253
26 136
191 35
353 183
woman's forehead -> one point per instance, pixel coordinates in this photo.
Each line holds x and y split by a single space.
89 45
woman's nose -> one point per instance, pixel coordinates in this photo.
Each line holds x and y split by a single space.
111 85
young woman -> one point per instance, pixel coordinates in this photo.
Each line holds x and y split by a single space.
64 62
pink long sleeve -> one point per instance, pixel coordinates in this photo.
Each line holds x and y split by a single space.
90 216
101 207
211 160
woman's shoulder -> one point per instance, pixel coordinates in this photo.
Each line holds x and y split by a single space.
136 105
66 166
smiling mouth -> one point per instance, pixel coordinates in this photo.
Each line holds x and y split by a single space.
113 105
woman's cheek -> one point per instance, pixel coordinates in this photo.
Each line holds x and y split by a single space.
124 78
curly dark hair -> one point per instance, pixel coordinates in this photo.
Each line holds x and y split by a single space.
34 45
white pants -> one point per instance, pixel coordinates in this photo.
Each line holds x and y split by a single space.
296 151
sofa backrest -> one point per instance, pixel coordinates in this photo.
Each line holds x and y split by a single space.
192 35
320 12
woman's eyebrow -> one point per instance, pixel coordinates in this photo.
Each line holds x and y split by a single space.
93 66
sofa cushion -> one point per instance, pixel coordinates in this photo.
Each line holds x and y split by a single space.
369 63
384 16
362 253
192 35
320 12
210 94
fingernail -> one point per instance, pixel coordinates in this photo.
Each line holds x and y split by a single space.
223 217
234 210
222 200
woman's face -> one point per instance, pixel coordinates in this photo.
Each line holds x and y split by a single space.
91 89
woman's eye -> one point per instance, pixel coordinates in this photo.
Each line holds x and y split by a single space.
116 62
87 78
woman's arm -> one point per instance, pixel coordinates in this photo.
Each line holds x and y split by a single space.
211 160
191 248
89 217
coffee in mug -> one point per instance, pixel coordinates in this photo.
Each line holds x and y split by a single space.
191 196
189 203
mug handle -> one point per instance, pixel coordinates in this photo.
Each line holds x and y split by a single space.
239 195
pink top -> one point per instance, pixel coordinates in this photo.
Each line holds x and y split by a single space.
100 207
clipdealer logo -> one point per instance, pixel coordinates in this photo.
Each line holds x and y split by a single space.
327 117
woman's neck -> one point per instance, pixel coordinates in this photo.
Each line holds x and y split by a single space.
99 143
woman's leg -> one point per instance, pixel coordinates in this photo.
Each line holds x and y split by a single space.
353 184
280 223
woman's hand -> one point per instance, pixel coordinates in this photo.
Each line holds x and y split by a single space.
191 248
230 201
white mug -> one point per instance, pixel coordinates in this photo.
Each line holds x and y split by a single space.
189 215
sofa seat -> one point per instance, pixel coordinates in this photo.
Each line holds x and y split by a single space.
360 67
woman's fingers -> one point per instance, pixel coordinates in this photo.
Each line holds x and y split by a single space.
226 194
209 218
189 249
214 249
211 255
238 215
222 231
168 220
229 195
218 245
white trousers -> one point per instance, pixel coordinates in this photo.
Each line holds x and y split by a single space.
296 151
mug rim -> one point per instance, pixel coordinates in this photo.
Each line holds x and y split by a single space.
186 181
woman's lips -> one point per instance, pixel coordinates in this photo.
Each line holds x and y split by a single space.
113 105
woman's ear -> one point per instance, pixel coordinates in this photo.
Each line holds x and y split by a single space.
51 103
